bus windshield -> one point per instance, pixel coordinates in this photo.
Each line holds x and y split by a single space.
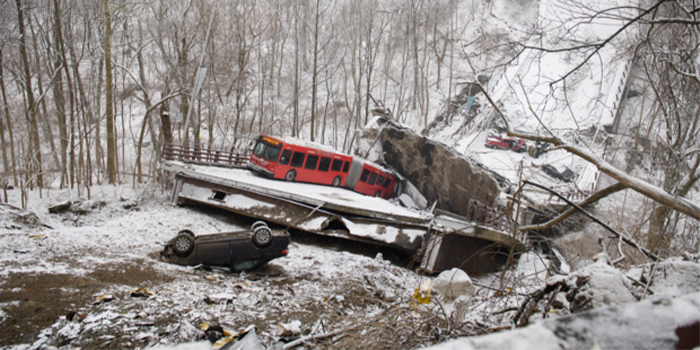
267 152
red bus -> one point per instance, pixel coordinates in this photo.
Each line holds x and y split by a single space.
297 160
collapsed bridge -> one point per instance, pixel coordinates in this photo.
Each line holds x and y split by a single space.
442 240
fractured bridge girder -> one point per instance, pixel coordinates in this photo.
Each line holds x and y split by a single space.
289 213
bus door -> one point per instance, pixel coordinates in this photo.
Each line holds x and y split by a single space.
353 174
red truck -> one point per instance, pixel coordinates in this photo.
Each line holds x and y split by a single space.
506 142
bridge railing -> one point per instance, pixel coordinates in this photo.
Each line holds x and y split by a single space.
205 157
486 216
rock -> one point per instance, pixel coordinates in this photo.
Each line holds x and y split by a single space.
650 324
437 172
453 283
672 278
60 207
220 298
290 329
606 286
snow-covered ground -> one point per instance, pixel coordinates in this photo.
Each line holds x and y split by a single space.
67 281
99 248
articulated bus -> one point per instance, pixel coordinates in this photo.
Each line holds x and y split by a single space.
297 160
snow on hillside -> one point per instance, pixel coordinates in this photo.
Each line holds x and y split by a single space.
530 93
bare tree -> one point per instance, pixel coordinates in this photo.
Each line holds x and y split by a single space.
35 164
109 97
668 52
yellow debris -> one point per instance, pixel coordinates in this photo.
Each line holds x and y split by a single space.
422 293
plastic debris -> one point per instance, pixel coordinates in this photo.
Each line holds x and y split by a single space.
453 283
219 336
37 236
247 340
142 293
422 293
103 299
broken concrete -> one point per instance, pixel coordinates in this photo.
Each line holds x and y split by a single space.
440 174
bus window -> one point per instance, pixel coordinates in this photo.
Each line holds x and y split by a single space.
380 180
266 151
372 179
337 164
311 162
346 166
298 159
387 182
284 159
364 176
324 164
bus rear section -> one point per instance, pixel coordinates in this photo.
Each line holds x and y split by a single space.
367 179
304 164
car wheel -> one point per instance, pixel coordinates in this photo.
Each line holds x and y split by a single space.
186 232
336 181
257 224
378 193
291 175
183 244
262 236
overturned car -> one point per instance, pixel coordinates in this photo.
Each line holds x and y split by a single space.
239 250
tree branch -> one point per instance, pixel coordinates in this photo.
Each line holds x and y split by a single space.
619 235
592 199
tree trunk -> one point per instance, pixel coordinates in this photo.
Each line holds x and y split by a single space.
295 98
314 77
109 103
59 100
42 118
34 151
12 165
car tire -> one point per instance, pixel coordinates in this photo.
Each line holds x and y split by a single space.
262 236
336 181
378 193
186 232
291 175
183 244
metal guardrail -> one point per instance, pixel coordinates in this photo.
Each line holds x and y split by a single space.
573 195
484 215
205 157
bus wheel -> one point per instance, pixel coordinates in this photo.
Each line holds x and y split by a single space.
291 175
378 193
336 181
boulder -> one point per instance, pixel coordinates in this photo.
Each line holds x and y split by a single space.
438 172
